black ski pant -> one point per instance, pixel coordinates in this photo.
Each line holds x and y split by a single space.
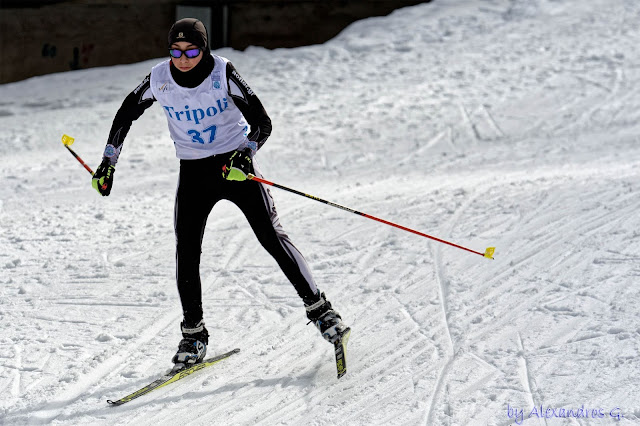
200 187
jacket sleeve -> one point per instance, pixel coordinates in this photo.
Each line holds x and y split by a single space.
132 108
250 106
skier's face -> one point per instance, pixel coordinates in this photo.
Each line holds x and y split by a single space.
183 63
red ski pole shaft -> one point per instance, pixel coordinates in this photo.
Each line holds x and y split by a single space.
80 160
488 253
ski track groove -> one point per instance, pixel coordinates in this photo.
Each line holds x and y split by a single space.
492 122
444 293
15 387
525 375
472 128
434 396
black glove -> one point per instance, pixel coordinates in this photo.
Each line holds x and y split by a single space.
238 166
103 177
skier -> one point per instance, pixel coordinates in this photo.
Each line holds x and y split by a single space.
217 124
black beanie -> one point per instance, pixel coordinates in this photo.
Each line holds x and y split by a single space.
190 30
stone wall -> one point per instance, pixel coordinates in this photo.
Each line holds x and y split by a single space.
49 37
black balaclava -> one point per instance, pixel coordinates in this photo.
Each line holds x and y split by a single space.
192 31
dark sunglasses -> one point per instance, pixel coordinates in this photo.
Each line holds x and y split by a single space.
190 53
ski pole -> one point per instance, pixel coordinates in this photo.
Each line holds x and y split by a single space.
67 141
488 253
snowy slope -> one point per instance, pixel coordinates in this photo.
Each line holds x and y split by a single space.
494 122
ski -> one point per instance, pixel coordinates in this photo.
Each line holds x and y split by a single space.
340 347
173 376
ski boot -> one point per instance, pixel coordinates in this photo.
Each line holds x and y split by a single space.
193 346
326 319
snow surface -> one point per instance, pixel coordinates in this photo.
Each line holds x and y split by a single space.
507 123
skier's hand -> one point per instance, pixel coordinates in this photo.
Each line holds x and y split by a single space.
238 165
103 178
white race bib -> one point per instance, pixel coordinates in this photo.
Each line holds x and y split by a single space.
203 121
